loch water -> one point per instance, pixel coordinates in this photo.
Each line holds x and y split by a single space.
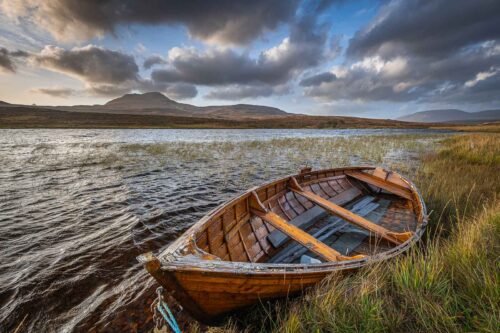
78 206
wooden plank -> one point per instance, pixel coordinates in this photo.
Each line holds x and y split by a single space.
293 232
311 216
277 238
294 251
237 226
351 240
300 236
259 240
393 237
381 183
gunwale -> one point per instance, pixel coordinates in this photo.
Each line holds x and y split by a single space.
211 289
173 260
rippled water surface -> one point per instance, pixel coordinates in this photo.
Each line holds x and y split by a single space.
78 206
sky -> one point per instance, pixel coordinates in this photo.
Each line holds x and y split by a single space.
377 59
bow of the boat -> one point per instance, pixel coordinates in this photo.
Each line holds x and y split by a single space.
248 249
209 290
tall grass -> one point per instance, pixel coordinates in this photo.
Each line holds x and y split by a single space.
450 283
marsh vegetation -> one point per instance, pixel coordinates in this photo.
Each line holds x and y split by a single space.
91 201
450 283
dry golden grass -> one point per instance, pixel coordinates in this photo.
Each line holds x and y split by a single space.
485 128
450 283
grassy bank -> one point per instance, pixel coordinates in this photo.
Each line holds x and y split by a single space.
493 127
35 117
450 283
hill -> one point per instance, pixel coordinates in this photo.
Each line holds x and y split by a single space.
451 115
151 100
155 103
38 117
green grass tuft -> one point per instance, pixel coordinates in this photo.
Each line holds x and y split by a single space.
449 283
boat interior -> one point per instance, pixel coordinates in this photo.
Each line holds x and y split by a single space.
313 218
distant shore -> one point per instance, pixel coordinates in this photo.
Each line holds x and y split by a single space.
26 117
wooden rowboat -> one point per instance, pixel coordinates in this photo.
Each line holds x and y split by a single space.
284 236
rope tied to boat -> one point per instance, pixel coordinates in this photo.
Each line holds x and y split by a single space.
159 305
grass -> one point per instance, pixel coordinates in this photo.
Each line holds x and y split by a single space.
493 127
450 283
40 117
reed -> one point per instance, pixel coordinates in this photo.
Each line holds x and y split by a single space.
450 283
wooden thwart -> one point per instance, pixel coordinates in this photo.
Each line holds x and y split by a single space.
393 237
381 183
311 216
293 232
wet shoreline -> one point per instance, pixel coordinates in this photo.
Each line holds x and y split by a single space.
78 207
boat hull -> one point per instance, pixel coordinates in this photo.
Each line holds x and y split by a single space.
224 262
210 295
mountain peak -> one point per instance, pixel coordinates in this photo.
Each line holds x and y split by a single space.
150 100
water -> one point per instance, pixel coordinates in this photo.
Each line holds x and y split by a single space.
78 206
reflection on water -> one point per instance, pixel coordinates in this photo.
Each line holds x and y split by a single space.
77 207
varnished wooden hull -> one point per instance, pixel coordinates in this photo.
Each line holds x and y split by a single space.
209 281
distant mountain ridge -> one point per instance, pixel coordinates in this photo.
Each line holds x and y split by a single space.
451 115
156 103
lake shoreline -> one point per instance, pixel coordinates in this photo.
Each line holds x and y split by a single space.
25 117
448 283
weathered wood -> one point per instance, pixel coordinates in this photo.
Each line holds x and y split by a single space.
300 236
381 183
250 258
198 271
293 232
293 251
396 238
347 242
311 216
234 230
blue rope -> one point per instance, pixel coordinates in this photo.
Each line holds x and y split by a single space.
166 313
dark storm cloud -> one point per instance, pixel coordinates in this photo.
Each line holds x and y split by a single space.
428 28
222 21
91 63
103 72
6 59
153 61
55 92
316 80
6 63
415 79
181 91
423 51
304 48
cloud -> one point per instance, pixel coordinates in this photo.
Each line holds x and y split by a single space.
481 76
427 28
6 63
304 48
55 92
419 51
181 91
217 21
6 59
318 79
237 92
103 72
90 63
153 61
412 79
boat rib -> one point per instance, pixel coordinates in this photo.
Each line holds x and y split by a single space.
282 237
